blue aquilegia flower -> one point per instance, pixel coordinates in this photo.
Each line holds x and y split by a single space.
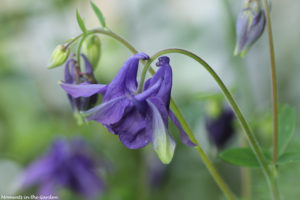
73 75
249 27
67 165
137 118
221 128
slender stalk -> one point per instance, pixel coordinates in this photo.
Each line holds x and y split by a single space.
79 48
72 41
251 138
202 154
274 83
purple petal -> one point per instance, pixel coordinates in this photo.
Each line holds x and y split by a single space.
242 31
68 76
37 172
183 136
151 90
47 188
88 67
164 73
256 28
109 112
134 130
125 81
83 90
87 182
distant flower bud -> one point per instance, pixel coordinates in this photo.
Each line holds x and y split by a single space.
92 49
59 56
221 128
249 27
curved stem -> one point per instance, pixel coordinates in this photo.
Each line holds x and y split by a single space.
251 138
274 83
202 154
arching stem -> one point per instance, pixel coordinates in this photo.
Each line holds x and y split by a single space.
250 136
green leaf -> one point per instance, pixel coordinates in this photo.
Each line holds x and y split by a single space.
287 124
80 22
289 157
99 14
241 156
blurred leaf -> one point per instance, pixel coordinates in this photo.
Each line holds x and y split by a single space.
80 22
287 123
289 157
99 14
241 156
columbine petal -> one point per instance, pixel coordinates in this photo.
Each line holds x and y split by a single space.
88 184
183 136
83 89
109 112
256 29
151 90
125 80
163 143
49 187
68 76
164 73
36 172
241 32
87 66
134 130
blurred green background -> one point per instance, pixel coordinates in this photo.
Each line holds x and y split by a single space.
34 110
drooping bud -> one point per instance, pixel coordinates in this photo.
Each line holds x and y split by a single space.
92 49
74 75
249 27
59 56
221 128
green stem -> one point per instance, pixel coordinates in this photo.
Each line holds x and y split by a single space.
274 83
72 41
251 138
79 48
202 154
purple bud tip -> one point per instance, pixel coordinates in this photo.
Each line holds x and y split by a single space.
163 61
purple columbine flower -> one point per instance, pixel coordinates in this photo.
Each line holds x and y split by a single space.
137 118
221 128
66 165
249 27
73 75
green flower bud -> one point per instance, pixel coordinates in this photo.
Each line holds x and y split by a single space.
91 47
59 56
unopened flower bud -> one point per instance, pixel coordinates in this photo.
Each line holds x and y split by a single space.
221 128
92 49
249 27
59 56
